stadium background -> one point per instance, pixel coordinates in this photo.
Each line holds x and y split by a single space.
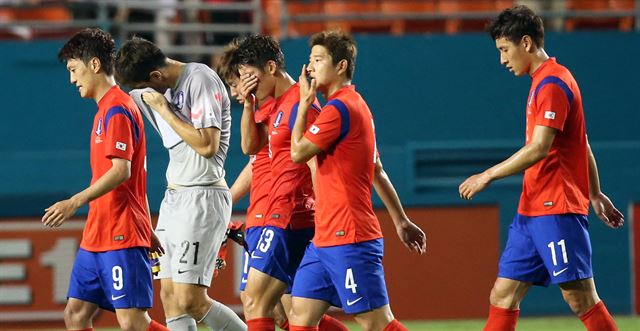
444 108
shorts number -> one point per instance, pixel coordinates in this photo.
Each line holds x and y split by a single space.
116 274
349 282
265 240
185 245
553 252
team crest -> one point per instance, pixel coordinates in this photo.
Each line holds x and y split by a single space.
276 123
178 100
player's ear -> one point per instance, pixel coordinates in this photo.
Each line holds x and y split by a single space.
272 67
527 42
155 76
342 66
95 64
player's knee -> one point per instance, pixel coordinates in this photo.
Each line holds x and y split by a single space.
75 315
503 298
166 294
578 303
251 301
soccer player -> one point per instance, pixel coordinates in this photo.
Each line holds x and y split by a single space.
112 269
193 120
343 265
288 223
254 177
548 239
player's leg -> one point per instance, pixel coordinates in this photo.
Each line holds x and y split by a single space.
85 292
520 267
204 214
134 319
168 219
564 244
78 314
262 294
305 313
281 310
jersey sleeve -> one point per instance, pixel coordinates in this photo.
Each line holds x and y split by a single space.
326 129
552 105
206 101
121 133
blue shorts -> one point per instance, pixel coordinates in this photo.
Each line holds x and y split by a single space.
547 249
348 276
279 252
113 279
251 237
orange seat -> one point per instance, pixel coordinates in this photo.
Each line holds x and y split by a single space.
455 25
400 26
624 23
339 7
294 8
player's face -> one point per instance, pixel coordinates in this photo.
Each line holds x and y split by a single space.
513 56
266 80
321 66
233 87
81 76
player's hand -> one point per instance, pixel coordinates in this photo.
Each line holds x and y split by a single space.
606 211
473 185
412 237
59 212
155 100
307 88
246 88
156 246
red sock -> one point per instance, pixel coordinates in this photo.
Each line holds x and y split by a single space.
89 329
155 326
598 318
328 323
261 324
284 325
302 328
501 319
395 325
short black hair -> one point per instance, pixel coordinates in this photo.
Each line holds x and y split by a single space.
136 59
256 50
227 63
516 22
340 45
87 44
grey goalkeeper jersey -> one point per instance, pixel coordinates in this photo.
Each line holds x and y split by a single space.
199 98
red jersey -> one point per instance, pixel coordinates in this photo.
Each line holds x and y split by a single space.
260 175
559 183
345 133
119 218
291 198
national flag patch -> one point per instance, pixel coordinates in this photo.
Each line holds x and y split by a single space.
314 129
121 146
550 115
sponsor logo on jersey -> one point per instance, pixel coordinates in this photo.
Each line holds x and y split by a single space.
314 129
276 123
548 203
340 233
121 146
118 238
550 115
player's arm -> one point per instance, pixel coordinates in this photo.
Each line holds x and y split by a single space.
156 246
302 150
253 136
204 141
602 205
530 154
60 211
242 185
411 235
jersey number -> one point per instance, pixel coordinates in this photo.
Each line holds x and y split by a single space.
553 252
116 274
265 240
185 245
349 282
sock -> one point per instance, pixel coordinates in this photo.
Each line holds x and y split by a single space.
303 328
221 317
328 323
262 324
284 325
395 325
155 326
501 319
182 323
88 329
598 318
